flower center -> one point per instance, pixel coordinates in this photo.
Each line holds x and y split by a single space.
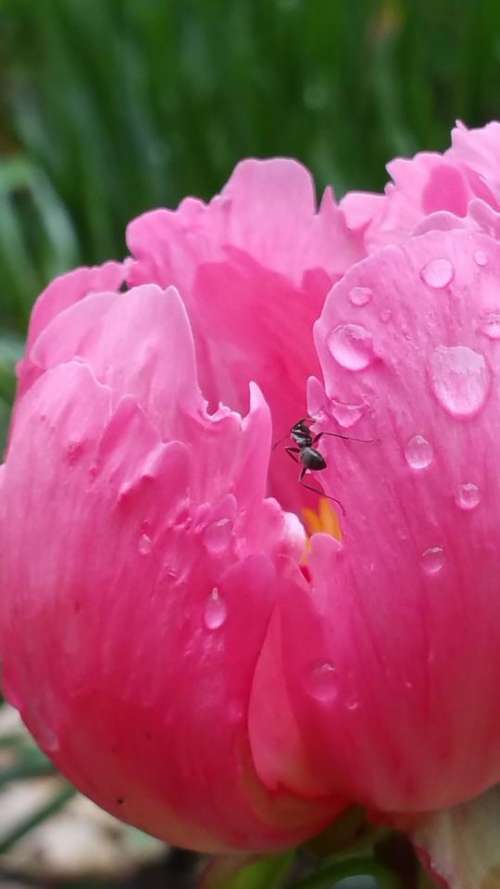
324 519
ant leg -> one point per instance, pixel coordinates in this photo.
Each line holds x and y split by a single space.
291 453
339 435
319 491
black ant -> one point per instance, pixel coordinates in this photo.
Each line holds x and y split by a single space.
308 455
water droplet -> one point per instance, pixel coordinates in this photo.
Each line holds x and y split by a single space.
352 705
468 496
215 610
145 544
322 682
217 535
351 346
460 379
360 296
419 453
433 560
480 257
345 414
437 273
490 325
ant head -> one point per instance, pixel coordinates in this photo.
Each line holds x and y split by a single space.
302 425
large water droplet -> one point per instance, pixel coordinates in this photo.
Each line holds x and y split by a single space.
360 296
322 681
468 496
418 452
215 610
145 544
438 273
480 257
433 560
460 379
351 346
217 535
345 414
490 325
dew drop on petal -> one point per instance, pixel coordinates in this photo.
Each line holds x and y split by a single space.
460 379
322 681
437 273
351 346
480 257
468 496
352 705
490 325
217 535
215 610
145 544
419 453
345 414
433 560
360 296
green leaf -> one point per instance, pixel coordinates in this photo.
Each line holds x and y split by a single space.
11 349
328 877
247 872
351 829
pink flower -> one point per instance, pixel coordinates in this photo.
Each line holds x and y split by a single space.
142 562
160 632
460 188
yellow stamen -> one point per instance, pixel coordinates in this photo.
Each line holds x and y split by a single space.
325 520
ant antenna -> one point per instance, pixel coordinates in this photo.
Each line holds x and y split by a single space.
350 437
322 493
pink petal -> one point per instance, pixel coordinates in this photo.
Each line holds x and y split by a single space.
124 337
253 267
477 150
404 615
137 583
278 751
62 292
426 184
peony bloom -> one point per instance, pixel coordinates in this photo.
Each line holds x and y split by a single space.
143 557
175 644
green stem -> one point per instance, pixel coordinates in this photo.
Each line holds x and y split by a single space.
20 830
350 867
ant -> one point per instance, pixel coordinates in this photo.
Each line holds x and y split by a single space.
308 455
